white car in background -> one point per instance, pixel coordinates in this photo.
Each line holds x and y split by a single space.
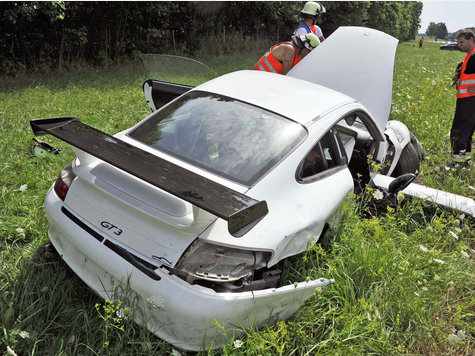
196 207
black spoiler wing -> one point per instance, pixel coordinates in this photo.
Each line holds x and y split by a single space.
240 211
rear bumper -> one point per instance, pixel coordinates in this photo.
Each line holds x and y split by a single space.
188 316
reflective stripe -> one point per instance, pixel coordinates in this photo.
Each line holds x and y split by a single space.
260 67
269 65
466 82
465 91
262 63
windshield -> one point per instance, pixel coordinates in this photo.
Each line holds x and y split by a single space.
225 136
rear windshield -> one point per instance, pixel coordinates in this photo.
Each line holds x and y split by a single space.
228 137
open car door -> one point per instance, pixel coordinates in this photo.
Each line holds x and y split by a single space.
158 92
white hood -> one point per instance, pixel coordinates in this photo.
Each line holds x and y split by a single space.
358 62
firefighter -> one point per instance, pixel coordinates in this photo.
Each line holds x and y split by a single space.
463 124
308 20
421 41
283 56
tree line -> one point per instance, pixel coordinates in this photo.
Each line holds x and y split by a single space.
57 34
438 30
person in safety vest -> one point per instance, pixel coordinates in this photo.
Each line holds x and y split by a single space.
283 56
463 124
308 20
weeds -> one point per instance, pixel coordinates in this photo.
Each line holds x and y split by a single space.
113 314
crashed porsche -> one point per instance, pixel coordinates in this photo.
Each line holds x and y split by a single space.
196 207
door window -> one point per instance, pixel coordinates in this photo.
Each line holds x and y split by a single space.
322 158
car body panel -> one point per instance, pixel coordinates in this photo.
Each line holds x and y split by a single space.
358 62
450 46
400 137
144 227
277 232
167 305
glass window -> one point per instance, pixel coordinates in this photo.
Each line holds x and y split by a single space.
322 157
346 139
231 138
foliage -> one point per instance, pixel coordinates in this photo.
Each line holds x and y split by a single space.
438 30
398 19
62 34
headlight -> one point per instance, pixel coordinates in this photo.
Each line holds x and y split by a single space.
218 263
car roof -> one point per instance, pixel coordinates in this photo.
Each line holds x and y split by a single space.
293 98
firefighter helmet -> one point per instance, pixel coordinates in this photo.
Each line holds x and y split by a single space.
312 8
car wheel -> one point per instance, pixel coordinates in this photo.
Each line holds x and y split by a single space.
327 237
418 147
409 161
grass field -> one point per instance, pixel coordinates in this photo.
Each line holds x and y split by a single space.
404 282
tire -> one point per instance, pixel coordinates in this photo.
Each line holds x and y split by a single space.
409 161
418 147
326 237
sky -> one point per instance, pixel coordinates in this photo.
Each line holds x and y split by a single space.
455 14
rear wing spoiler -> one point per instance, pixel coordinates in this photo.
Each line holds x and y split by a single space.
158 92
240 211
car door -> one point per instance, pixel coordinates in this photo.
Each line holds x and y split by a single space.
338 164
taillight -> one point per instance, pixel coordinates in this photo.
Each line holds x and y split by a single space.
62 184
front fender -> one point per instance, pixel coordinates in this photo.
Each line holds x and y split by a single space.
399 135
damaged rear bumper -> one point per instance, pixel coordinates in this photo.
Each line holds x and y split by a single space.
190 317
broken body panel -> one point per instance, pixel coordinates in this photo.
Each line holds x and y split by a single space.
439 197
166 304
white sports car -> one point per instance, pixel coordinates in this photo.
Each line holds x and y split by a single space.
196 207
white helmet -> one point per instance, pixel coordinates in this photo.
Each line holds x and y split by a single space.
313 8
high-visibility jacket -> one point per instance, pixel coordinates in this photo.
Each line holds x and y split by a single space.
466 82
318 31
269 63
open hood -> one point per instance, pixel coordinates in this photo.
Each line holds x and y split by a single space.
358 62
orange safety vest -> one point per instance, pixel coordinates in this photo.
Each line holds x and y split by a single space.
466 82
269 63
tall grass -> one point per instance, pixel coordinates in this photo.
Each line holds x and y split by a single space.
404 281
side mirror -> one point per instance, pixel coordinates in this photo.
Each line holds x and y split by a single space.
400 183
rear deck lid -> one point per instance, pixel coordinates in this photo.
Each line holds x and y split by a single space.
135 214
240 211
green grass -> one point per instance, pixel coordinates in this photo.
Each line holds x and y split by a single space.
404 281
